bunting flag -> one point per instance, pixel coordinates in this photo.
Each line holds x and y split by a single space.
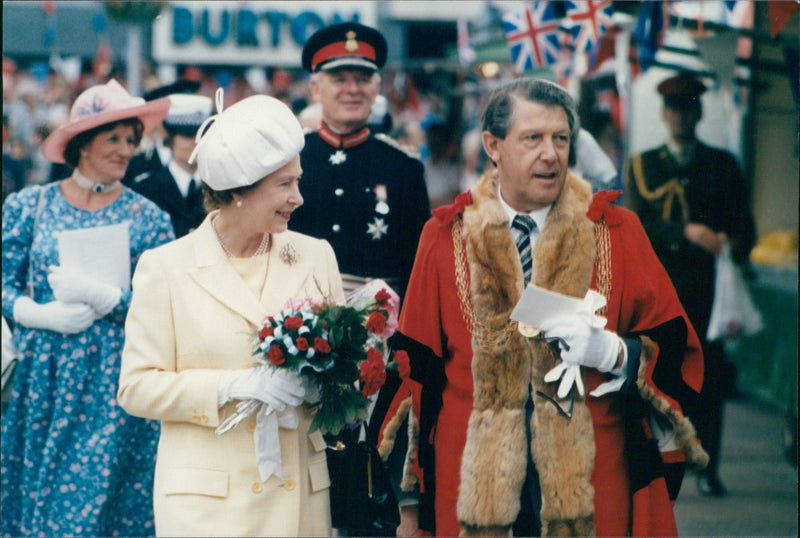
588 20
779 14
738 14
532 35
649 33
466 54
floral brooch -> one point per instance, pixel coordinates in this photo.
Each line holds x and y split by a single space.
288 254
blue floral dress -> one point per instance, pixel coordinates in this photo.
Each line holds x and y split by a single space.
73 462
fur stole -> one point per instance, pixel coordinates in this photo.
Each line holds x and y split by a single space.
505 363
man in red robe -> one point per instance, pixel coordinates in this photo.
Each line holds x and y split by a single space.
500 449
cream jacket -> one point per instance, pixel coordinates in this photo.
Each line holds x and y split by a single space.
191 318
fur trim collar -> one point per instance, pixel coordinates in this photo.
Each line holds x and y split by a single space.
505 363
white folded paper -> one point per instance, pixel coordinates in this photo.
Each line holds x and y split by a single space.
102 253
538 304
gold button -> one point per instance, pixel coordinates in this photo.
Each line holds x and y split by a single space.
256 487
204 419
289 485
251 427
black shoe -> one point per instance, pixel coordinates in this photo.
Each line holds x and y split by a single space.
710 486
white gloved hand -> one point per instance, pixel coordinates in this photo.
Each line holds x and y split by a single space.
572 375
70 286
587 342
275 387
54 316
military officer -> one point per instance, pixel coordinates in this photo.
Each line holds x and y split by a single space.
174 186
691 199
363 194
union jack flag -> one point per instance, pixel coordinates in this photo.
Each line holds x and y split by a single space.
588 20
532 35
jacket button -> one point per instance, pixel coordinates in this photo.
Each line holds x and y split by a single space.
339 192
251 427
336 228
256 487
289 485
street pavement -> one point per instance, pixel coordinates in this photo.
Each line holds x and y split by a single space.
762 484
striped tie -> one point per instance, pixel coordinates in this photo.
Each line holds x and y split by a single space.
521 227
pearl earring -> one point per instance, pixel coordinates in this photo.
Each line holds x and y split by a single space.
238 203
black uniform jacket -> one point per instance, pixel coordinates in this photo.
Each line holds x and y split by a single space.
709 190
369 201
160 187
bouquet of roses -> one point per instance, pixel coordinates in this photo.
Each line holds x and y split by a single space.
332 346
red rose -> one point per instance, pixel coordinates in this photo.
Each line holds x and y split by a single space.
302 344
376 323
293 323
373 372
276 355
382 297
265 331
403 364
321 345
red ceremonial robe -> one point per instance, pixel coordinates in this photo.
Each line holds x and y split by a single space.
435 329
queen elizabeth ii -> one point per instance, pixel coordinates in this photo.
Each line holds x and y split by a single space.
197 305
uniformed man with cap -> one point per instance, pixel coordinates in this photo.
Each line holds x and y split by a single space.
692 199
363 194
175 187
153 153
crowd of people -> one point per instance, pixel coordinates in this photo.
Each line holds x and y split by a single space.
134 279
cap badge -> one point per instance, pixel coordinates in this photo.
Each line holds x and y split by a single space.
351 45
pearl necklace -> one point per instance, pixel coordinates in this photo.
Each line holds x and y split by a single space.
262 248
89 185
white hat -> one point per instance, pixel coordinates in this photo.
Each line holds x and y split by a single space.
187 113
250 140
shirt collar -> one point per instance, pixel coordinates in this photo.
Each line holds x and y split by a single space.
538 215
181 176
343 140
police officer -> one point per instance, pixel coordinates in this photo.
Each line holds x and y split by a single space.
691 199
363 194
174 186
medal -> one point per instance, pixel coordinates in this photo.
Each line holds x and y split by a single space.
377 228
338 158
381 196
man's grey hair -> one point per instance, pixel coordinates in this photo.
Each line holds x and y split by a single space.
498 115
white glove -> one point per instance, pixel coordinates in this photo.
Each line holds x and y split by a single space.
587 342
572 375
70 286
275 387
54 316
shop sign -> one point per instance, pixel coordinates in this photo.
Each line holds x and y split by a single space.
247 33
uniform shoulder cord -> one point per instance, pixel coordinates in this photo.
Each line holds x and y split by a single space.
668 191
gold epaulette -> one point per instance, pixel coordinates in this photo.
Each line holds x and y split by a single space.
408 150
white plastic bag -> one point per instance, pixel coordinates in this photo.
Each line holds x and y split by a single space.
733 312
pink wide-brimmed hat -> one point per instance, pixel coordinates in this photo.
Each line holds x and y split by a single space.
101 104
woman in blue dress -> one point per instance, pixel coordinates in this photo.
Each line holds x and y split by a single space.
73 462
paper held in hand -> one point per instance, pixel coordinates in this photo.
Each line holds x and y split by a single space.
102 253
538 304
